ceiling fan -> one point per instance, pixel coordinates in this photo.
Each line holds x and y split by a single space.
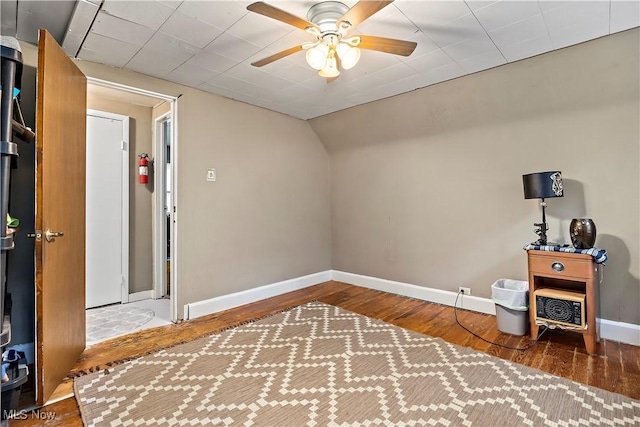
331 22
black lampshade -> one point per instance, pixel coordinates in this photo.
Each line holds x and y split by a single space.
542 185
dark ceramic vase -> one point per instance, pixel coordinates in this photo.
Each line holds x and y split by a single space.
583 233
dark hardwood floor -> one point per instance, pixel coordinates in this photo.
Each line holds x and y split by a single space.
615 368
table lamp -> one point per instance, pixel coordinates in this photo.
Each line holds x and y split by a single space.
542 185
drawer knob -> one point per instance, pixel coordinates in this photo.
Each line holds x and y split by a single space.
558 266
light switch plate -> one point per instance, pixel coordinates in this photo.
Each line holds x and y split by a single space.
211 174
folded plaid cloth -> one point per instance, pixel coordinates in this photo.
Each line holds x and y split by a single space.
599 255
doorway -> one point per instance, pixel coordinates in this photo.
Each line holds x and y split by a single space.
149 243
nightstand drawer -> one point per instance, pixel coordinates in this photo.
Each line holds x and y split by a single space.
559 265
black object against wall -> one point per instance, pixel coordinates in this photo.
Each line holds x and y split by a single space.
542 185
583 233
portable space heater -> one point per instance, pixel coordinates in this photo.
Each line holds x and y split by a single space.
560 306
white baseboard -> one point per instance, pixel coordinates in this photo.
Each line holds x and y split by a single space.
468 302
619 331
615 331
225 302
139 296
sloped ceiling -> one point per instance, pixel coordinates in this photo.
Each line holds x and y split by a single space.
210 45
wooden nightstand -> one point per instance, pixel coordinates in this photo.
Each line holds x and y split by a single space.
575 272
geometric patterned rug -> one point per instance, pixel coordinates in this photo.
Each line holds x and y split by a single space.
319 365
114 320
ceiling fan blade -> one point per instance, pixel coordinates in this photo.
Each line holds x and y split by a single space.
383 44
363 10
276 56
279 15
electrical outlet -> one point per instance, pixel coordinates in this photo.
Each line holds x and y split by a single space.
466 291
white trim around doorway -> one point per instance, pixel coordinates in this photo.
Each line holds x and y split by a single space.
159 174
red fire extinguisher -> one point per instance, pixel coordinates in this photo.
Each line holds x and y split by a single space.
143 168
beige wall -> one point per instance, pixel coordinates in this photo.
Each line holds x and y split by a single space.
426 187
267 217
140 202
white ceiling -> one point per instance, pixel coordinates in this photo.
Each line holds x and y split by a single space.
210 45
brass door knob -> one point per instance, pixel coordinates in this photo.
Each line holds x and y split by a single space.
50 235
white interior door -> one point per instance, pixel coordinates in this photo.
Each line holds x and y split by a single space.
107 235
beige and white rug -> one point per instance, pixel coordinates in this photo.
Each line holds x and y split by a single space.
115 320
318 365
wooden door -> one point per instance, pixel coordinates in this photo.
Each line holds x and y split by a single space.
60 207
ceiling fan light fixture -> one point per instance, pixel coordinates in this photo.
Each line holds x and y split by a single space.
331 70
349 56
317 56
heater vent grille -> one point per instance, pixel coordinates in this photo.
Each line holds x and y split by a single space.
560 306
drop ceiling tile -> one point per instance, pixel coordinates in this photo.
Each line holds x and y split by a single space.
232 47
501 13
293 38
290 94
364 84
170 46
575 13
469 48
478 4
527 29
454 32
258 77
153 63
259 29
382 92
332 94
484 61
190 30
190 75
547 5
446 72
219 90
173 4
220 14
264 103
396 72
624 15
393 24
239 86
151 13
363 98
100 57
409 84
430 61
372 61
295 91
527 48
109 47
313 83
212 61
425 45
119 29
425 14
579 33
291 71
